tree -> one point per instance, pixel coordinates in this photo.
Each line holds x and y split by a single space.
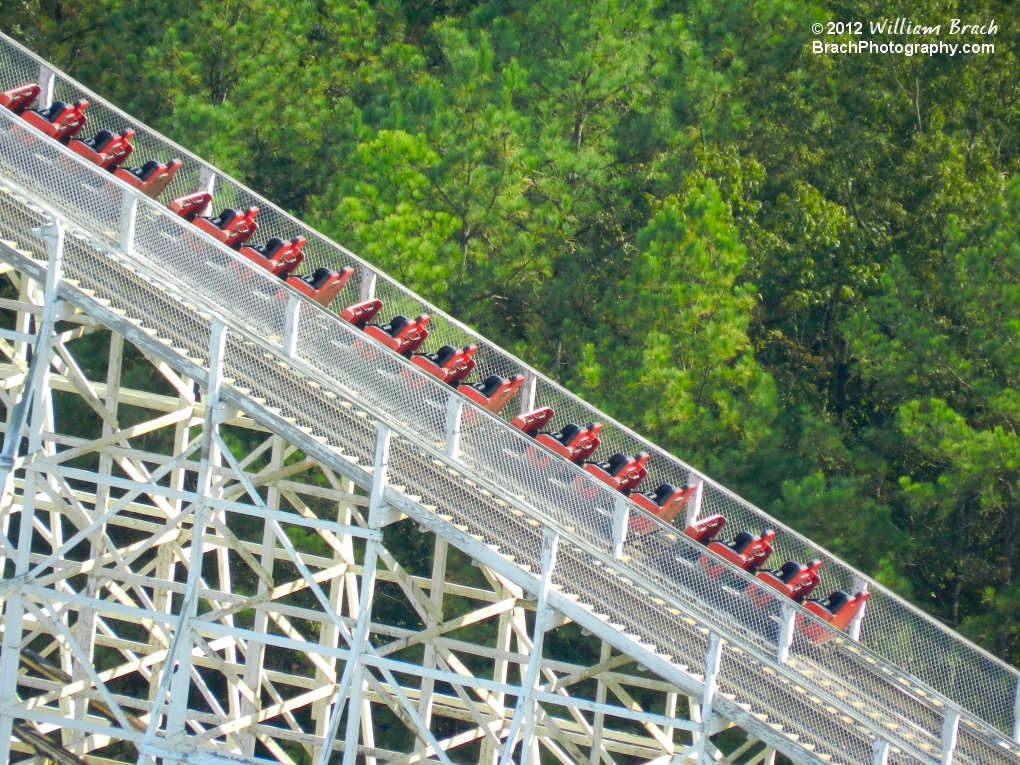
945 365
680 355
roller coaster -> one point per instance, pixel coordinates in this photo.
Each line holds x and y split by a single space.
255 552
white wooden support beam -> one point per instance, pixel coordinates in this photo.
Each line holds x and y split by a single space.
454 413
53 235
1016 713
854 628
47 81
528 390
713 655
128 216
168 754
670 713
393 686
52 616
504 634
621 518
343 555
292 321
694 506
880 752
950 734
618 712
256 650
439 557
525 711
17 337
597 749
86 627
785 637
354 668
180 679
367 287
352 682
206 182
31 398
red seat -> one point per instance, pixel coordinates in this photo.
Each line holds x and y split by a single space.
705 530
532 422
359 314
664 503
449 364
746 550
152 177
793 579
323 285
401 334
20 98
59 121
190 205
494 392
278 256
231 227
106 149
838 610
622 472
573 442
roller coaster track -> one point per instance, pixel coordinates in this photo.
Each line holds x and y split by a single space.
83 247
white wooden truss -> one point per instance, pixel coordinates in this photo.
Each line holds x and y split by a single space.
320 622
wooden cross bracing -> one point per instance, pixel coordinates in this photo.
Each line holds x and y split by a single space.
112 481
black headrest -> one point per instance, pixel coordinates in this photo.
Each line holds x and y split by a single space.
270 248
617 461
492 384
147 170
225 218
790 569
664 492
321 276
444 354
396 324
837 600
100 140
567 432
54 109
742 540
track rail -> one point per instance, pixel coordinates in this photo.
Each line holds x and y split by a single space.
167 266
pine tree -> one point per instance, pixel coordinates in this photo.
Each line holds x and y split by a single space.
682 365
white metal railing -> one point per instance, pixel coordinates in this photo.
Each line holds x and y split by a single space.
893 631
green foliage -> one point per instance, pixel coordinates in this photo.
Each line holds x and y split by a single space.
797 271
681 356
944 361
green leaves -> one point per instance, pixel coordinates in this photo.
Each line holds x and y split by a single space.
943 361
683 356
381 210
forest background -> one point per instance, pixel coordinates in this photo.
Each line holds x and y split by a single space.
800 273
